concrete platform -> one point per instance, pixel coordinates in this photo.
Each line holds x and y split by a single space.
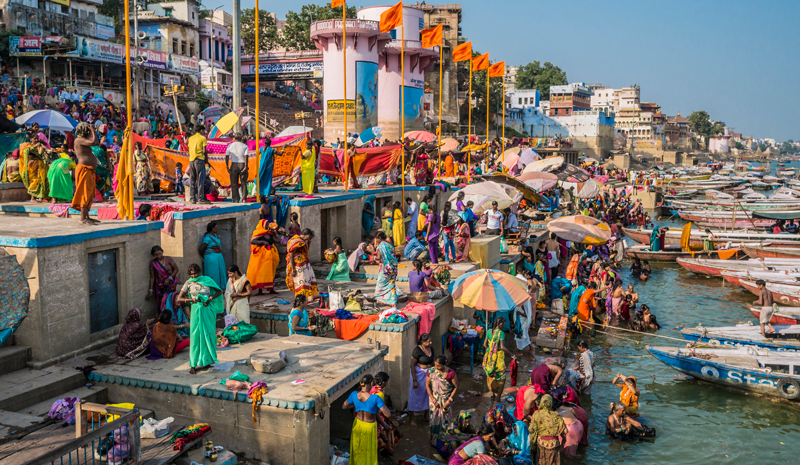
288 430
25 232
13 192
370 272
400 339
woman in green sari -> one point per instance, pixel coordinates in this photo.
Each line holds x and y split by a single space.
205 296
494 358
103 169
60 181
213 261
546 429
340 270
442 384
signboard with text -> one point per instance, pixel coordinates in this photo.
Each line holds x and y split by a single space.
105 32
336 109
24 46
285 71
115 53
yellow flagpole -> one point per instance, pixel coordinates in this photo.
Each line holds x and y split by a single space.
128 106
403 105
487 112
469 121
441 57
344 78
503 139
258 107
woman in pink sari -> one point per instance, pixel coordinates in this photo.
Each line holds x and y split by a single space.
575 433
163 275
463 240
473 452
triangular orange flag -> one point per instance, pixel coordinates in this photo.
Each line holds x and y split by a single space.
432 37
463 52
392 18
498 69
336 3
480 62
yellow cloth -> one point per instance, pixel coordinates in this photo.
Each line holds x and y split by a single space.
196 145
628 396
307 170
124 191
421 220
364 443
399 229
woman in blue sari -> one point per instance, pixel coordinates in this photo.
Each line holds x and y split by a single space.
655 242
213 262
368 215
386 287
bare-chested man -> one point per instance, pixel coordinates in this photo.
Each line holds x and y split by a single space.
85 181
553 251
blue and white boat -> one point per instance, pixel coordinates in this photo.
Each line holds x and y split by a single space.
787 338
766 372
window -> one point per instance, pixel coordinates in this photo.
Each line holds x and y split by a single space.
520 101
157 44
183 48
168 12
175 47
191 49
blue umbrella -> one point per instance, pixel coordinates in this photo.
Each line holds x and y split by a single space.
50 119
369 134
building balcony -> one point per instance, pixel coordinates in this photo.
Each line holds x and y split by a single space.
331 27
44 23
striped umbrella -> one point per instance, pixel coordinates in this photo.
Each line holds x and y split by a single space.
582 229
225 124
490 290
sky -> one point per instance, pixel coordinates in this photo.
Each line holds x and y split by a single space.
737 60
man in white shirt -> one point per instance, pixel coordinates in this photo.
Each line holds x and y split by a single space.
76 97
494 221
512 223
236 160
65 96
413 213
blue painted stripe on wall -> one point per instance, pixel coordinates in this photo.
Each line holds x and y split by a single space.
220 210
72 238
353 194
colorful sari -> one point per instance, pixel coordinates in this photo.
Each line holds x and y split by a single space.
59 179
479 459
214 262
499 418
441 389
264 259
132 334
386 223
494 360
340 271
178 315
307 171
386 287
164 283
202 332
102 170
546 428
304 282
519 440
540 271
363 438
463 241
142 176
241 308
456 432
398 229
388 439
34 173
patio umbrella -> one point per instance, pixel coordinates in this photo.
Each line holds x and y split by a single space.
490 290
294 130
539 181
483 193
448 145
511 160
369 134
584 190
225 124
579 228
527 156
50 119
420 136
511 151
547 164
524 189
571 173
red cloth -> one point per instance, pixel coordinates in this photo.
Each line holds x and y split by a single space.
514 370
426 312
181 443
582 417
107 213
350 329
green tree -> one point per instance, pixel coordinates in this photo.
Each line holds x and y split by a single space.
540 76
112 8
4 52
268 37
297 33
739 145
701 124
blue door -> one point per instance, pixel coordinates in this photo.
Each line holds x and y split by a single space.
103 311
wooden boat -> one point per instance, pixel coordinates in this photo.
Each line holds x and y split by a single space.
770 276
673 237
756 251
775 374
711 267
786 294
785 339
783 316
777 214
670 254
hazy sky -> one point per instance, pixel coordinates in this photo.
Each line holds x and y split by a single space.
738 60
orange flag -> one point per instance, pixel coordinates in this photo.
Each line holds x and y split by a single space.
498 69
480 62
336 3
432 37
463 52
392 18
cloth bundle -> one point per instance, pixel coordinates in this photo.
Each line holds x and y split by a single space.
182 438
64 409
256 392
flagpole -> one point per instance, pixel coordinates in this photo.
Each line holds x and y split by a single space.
258 108
403 104
488 78
441 58
344 78
469 120
129 179
503 140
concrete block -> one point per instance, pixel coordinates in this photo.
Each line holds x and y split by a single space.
268 361
94 394
224 457
13 358
17 420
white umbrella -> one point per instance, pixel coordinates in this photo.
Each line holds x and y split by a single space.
167 107
294 130
50 119
548 164
527 156
483 193
584 190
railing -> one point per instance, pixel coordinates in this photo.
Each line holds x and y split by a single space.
47 23
92 433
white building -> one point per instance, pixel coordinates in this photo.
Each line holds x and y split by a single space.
523 98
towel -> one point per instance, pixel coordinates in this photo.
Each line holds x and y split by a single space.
426 312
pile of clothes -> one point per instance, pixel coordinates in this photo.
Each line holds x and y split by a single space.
184 437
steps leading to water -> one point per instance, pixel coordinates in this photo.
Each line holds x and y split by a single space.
13 358
27 387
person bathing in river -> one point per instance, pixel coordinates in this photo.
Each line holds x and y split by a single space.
629 394
620 426
766 302
547 375
636 267
643 320
645 275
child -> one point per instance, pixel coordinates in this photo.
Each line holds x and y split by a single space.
179 179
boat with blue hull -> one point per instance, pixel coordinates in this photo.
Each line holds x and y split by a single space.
785 339
775 374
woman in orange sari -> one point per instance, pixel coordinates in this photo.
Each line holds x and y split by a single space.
449 167
300 276
263 258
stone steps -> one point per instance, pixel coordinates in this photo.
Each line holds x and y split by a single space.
95 394
26 387
13 358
